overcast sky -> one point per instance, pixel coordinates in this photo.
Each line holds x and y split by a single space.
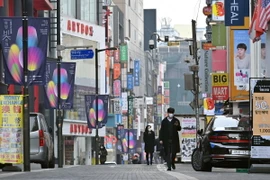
179 11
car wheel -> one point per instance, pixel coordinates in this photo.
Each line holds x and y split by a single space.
197 161
52 162
45 164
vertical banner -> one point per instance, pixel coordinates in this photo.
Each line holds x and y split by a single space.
117 88
130 81
90 109
136 73
123 53
124 102
11 129
12 46
188 138
235 12
260 148
116 71
130 112
241 59
67 79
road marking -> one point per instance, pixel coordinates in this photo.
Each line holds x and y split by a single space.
180 176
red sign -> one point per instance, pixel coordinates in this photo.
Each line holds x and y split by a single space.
79 129
220 92
219 60
79 27
1 3
207 10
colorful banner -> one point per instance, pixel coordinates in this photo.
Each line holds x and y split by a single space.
122 135
208 106
218 13
90 109
235 12
130 81
136 73
116 56
11 42
188 138
67 76
123 53
11 129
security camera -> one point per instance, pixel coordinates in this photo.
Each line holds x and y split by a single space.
151 44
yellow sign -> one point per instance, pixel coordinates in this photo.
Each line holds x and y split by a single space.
220 79
173 43
11 126
261 114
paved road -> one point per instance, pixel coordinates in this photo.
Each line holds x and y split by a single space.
129 172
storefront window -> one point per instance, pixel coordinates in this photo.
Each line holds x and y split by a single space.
88 10
69 8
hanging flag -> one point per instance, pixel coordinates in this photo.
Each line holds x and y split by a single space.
90 109
255 31
67 79
264 14
11 41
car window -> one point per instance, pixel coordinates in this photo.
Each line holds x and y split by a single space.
44 124
33 123
231 123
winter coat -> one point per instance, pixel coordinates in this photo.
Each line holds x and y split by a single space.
168 129
149 140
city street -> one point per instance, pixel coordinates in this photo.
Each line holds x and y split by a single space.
126 172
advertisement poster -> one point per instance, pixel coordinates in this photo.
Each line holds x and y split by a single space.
67 79
11 129
122 135
136 72
90 109
208 106
188 138
260 90
218 10
241 59
12 45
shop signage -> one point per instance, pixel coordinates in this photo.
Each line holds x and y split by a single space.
207 10
220 79
235 11
220 92
80 27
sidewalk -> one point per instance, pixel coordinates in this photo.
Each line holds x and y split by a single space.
101 172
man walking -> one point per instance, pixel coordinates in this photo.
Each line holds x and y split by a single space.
169 138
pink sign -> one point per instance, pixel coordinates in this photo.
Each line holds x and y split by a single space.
219 60
117 88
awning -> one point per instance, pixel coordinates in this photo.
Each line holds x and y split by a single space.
40 5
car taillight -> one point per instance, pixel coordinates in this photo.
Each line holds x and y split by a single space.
41 138
218 138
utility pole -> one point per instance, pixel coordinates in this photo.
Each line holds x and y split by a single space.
59 120
195 69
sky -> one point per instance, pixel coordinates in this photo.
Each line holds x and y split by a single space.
179 11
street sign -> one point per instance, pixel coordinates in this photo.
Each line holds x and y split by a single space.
220 79
220 92
81 54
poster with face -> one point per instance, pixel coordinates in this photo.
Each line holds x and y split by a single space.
241 58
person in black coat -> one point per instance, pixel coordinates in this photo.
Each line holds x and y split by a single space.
149 140
169 137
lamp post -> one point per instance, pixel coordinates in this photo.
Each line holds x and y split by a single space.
26 132
96 76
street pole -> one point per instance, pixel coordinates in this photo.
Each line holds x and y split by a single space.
59 121
26 131
195 75
97 136
128 124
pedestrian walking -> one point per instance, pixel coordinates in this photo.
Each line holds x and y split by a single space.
103 154
168 137
149 141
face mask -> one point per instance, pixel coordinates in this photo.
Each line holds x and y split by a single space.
170 115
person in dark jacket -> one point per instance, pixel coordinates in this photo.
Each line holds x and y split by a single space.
169 138
149 140
103 154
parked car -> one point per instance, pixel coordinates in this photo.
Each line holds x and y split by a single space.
224 143
41 142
